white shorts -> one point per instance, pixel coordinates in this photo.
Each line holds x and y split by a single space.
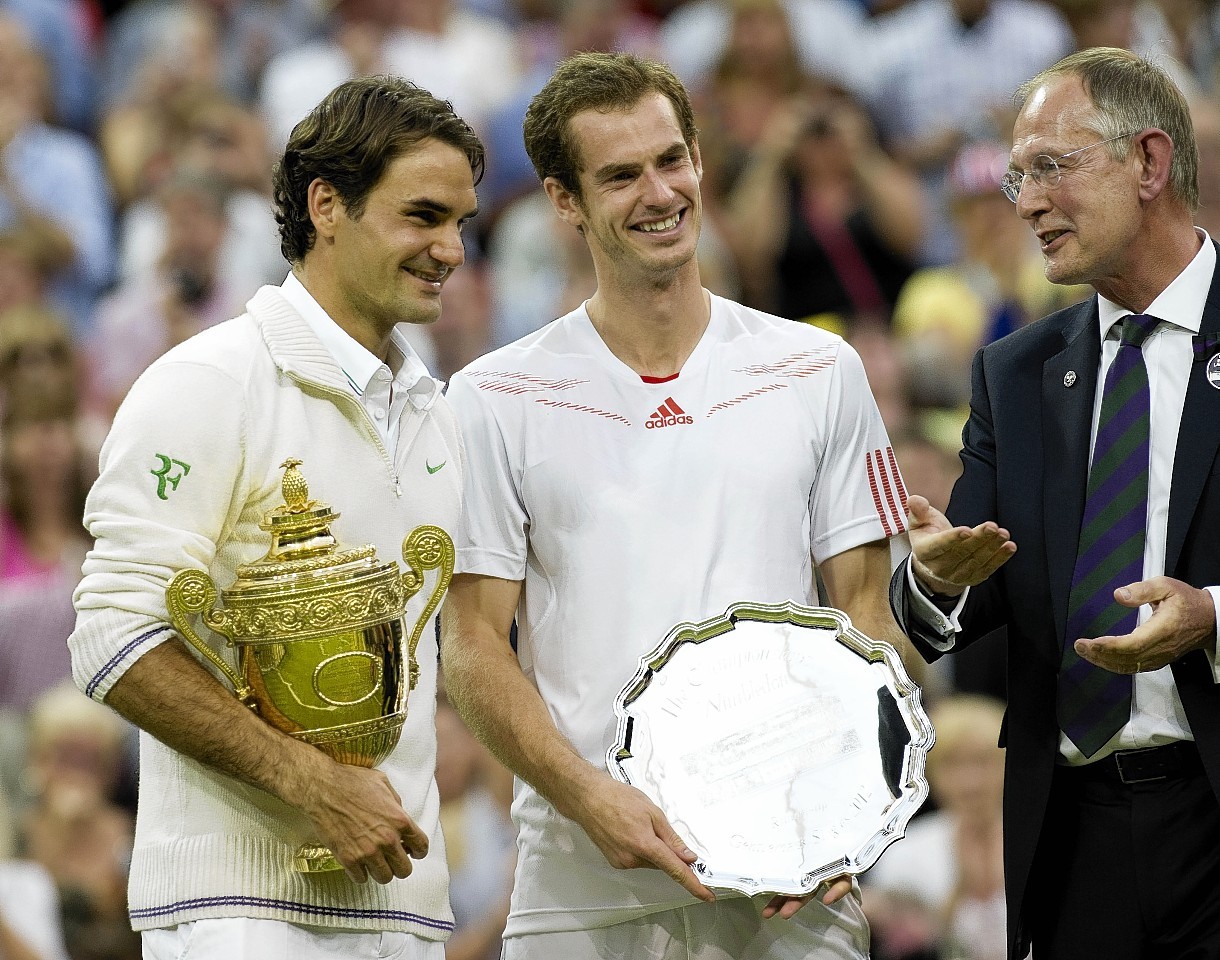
243 938
728 929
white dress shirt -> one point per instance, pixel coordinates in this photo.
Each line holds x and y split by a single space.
383 389
1157 715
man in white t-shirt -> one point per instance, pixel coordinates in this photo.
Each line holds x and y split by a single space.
651 457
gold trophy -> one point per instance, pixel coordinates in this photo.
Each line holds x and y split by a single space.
319 632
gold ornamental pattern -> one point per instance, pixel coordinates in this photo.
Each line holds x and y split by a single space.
295 617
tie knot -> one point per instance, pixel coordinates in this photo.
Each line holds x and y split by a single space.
1136 328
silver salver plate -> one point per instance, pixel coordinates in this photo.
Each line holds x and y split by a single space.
783 745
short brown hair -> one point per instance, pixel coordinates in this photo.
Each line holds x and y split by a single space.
1131 94
350 138
595 81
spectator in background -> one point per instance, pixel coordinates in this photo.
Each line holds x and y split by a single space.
32 250
1140 26
29 905
207 136
38 355
150 42
823 221
1187 29
1099 23
758 73
45 471
464 57
832 38
946 70
53 176
997 284
463 332
951 860
73 827
480 840
467 58
1205 112
185 292
352 44
61 32
44 483
141 132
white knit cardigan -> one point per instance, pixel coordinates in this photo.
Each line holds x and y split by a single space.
191 465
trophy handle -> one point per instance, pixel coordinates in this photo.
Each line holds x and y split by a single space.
192 591
426 547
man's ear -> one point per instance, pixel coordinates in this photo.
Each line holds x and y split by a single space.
324 207
696 158
565 202
1154 149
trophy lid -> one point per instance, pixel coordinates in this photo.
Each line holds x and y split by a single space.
306 563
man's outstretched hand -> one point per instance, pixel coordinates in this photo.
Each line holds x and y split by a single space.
948 559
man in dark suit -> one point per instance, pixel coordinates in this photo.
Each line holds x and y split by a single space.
1092 443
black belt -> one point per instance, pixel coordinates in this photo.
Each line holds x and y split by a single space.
1173 761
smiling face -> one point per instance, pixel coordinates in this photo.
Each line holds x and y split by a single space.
1086 226
639 207
389 264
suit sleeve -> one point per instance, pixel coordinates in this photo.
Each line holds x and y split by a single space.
974 501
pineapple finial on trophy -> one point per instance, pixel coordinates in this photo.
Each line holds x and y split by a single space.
296 490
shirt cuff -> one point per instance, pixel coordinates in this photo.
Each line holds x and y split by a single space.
944 623
1215 592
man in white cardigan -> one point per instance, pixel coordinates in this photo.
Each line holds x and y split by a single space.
371 193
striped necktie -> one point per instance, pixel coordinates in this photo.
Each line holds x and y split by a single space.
1094 704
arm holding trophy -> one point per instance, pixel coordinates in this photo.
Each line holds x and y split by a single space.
356 811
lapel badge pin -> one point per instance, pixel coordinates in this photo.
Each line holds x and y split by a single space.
1069 378
1207 350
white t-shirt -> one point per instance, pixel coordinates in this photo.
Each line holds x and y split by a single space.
628 507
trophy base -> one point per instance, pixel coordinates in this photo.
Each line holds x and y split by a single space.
311 858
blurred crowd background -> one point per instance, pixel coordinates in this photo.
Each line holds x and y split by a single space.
852 153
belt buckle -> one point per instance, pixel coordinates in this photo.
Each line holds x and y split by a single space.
1133 777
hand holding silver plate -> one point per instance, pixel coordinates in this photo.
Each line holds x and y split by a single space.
785 746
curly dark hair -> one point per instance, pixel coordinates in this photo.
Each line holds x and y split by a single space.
595 81
350 138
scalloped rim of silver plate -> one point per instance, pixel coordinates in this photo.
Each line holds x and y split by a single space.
780 799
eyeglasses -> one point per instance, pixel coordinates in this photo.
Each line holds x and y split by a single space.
1046 170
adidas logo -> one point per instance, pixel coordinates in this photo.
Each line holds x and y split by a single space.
668 414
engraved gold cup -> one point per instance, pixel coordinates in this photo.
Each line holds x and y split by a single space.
318 630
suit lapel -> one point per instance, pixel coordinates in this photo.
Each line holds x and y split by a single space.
1198 438
1067 420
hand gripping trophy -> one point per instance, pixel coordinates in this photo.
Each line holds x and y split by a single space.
319 631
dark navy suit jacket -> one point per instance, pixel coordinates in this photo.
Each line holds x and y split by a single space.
1025 465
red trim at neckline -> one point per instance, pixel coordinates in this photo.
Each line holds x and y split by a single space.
673 376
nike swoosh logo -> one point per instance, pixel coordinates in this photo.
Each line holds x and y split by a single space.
432 469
